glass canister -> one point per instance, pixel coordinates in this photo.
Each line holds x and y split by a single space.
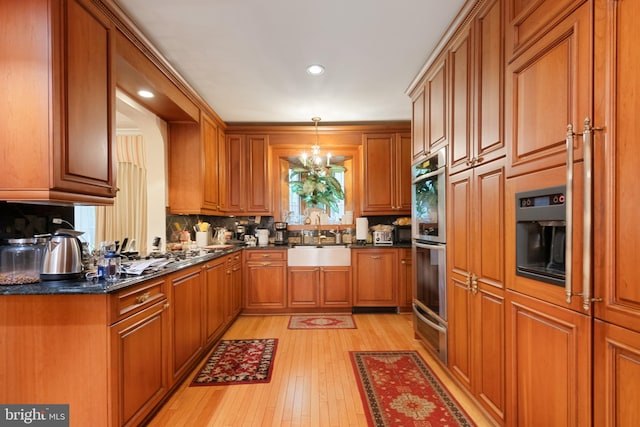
111 264
21 261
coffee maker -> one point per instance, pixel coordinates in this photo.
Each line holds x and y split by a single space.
281 236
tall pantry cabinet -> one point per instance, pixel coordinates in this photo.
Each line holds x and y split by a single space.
616 229
475 209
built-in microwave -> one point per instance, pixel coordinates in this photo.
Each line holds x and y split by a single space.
428 197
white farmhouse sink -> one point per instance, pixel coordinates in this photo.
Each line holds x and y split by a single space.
319 256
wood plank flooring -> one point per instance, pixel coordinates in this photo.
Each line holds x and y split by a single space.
313 382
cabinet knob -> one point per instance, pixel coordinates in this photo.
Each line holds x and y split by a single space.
142 298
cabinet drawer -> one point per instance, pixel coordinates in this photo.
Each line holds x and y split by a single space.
270 255
136 298
234 258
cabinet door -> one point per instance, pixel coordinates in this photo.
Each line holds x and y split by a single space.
215 296
258 184
461 99
375 277
436 124
335 287
403 173
616 376
84 162
211 194
528 18
418 125
379 165
139 355
234 174
303 290
406 279
188 332
236 290
617 161
548 87
266 285
549 364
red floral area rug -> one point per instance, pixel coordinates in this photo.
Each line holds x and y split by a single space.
322 322
398 389
238 362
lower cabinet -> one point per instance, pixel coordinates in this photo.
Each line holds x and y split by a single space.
234 286
215 298
140 325
616 378
375 277
315 287
186 298
405 288
265 280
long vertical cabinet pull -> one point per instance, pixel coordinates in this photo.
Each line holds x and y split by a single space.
568 262
587 214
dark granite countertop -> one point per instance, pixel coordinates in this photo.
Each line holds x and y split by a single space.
92 286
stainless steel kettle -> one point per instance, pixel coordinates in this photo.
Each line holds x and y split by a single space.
62 257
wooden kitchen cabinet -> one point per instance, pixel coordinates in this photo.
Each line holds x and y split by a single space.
234 297
246 175
547 88
58 112
476 283
186 298
324 287
405 264
194 158
140 353
375 277
476 109
548 364
265 280
387 174
215 298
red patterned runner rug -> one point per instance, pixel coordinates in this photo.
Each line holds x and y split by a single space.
322 321
398 389
238 362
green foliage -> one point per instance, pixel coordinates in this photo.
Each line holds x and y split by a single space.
316 188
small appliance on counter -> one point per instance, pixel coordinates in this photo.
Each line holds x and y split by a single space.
21 260
402 234
281 236
383 238
62 256
362 230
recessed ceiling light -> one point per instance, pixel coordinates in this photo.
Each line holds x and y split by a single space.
315 69
145 93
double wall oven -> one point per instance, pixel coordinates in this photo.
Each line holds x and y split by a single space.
429 251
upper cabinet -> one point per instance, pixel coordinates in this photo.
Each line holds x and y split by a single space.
194 152
547 87
476 64
245 173
386 186
57 114
429 118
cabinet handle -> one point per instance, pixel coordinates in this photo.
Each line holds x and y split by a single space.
474 284
403 262
568 291
264 264
467 282
142 298
166 305
479 160
375 257
266 255
587 237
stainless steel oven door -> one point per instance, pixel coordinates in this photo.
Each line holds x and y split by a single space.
428 198
432 331
430 281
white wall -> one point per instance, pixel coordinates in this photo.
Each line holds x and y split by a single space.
133 119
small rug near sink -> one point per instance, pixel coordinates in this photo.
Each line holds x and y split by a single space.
398 389
335 321
238 362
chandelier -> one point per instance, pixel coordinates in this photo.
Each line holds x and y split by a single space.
315 162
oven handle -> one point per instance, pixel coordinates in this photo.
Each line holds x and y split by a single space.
427 321
568 262
439 171
428 246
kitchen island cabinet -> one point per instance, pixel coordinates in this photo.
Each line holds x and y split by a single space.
58 114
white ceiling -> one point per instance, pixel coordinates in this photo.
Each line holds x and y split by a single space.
247 58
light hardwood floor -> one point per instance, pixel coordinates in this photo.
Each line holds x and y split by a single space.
313 382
